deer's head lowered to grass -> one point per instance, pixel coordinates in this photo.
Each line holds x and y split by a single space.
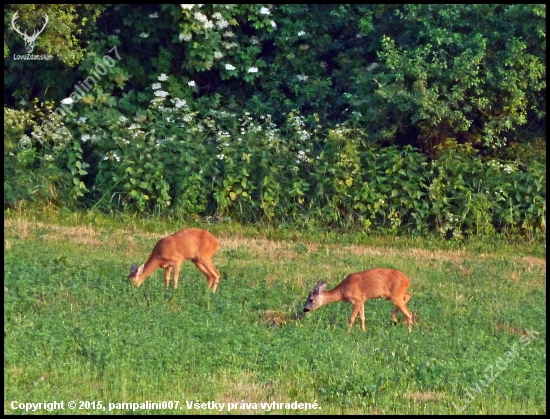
191 243
362 286
29 40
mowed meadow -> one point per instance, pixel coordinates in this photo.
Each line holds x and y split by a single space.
75 329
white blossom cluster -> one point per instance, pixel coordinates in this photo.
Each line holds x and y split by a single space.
112 156
506 168
180 103
302 156
185 37
200 17
298 122
230 45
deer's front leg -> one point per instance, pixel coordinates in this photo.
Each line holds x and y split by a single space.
356 309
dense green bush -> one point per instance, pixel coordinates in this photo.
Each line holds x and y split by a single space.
176 158
44 174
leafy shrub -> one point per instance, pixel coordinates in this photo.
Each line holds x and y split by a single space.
42 162
176 157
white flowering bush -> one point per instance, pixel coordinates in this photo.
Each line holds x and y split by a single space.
179 157
210 26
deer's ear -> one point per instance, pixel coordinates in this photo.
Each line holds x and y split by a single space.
321 286
133 269
140 270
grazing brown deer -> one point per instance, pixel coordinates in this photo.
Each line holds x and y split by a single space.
191 243
362 286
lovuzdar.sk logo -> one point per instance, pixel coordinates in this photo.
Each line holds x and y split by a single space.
29 39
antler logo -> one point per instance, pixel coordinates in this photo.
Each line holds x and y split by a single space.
29 40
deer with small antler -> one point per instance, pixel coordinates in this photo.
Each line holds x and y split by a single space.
29 40
359 287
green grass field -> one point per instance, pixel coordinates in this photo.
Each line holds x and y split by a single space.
76 330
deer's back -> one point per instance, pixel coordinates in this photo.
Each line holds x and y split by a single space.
186 244
374 283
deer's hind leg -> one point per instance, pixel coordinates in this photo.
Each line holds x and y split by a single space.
210 278
362 316
406 298
403 308
207 268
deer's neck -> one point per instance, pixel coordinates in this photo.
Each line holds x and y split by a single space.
150 266
332 296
